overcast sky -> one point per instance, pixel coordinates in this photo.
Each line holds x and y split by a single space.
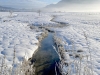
64 5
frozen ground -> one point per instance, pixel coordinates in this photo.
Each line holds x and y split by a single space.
79 25
15 31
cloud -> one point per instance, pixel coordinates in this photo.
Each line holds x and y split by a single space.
79 1
75 5
23 3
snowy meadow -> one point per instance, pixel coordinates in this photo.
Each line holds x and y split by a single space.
80 37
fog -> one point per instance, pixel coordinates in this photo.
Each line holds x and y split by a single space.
62 5
75 6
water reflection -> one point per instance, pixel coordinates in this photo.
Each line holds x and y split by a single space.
45 57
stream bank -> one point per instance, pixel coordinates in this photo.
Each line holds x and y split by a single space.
46 57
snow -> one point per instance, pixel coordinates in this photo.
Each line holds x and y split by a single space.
15 33
79 25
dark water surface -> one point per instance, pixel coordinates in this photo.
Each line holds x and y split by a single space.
45 57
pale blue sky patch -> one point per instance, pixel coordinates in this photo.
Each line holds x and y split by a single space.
50 1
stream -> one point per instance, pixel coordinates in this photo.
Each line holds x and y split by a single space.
45 57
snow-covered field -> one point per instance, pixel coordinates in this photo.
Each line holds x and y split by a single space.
16 33
82 31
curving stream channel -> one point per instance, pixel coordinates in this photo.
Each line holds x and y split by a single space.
45 57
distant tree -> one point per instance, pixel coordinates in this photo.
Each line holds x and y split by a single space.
10 13
39 11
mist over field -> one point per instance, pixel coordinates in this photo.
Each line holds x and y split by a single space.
57 5
75 6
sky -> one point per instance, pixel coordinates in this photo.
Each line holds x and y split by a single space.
56 5
27 3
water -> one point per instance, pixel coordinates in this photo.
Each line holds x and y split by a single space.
45 57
